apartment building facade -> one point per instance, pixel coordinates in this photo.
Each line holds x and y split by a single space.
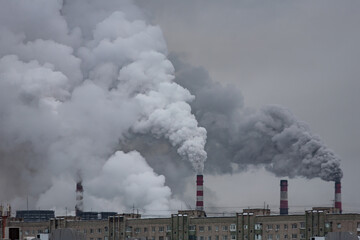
254 224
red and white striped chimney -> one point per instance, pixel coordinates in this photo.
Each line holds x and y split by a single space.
79 198
338 204
200 192
284 208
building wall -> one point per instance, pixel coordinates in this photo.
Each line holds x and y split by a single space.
242 226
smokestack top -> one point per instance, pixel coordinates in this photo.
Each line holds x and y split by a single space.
283 182
79 187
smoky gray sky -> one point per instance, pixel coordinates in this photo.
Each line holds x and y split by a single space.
258 89
303 55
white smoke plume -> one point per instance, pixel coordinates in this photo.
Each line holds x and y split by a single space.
77 77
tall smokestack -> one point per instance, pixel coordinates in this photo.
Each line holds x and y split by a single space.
200 192
284 209
79 198
338 204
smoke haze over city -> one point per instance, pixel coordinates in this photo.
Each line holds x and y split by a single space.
92 90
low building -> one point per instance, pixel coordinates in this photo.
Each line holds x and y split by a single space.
254 224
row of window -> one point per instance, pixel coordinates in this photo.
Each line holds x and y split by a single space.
217 237
145 229
27 232
99 230
209 228
277 236
277 226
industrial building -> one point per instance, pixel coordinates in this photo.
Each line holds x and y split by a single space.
255 224
250 224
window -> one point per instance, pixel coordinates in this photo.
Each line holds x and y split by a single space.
232 227
277 236
216 228
302 236
217 237
168 228
209 228
153 229
233 237
128 229
106 229
257 237
339 225
302 225
145 229
99 230
269 227
201 237
209 237
137 230
192 228
358 225
294 236
245 226
224 228
294 225
201 228
327 225
269 237
277 227
161 237
99 239
161 229
285 236
91 230
224 237
285 226
257 226
27 232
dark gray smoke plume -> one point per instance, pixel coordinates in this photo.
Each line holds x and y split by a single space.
239 137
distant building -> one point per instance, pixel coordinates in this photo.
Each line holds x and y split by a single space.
35 215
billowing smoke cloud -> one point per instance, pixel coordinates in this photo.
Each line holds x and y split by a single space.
239 137
86 85
77 77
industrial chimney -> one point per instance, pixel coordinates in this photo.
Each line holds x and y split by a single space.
338 204
79 198
284 209
200 192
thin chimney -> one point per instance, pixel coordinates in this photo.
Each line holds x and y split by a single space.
338 204
79 198
284 208
200 192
